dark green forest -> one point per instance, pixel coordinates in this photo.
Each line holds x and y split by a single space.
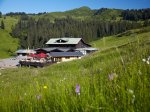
83 22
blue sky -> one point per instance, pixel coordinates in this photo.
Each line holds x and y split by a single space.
35 6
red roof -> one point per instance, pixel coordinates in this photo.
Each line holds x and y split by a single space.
41 55
32 55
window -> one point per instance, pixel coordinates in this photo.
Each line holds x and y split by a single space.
61 41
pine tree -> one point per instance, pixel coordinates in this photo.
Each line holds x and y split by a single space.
2 25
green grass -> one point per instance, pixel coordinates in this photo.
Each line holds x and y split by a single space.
109 14
123 38
83 13
23 89
9 22
8 44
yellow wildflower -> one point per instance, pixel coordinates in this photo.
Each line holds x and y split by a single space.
45 87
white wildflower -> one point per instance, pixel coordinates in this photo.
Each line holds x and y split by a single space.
148 58
133 99
147 62
115 101
144 60
112 76
140 73
101 69
130 91
100 108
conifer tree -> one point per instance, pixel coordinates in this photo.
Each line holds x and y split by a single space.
2 25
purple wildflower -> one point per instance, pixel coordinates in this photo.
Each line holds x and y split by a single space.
77 89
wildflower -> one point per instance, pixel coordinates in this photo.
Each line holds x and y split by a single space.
45 87
147 61
115 101
130 91
77 89
144 60
100 69
140 73
38 97
63 80
112 76
148 58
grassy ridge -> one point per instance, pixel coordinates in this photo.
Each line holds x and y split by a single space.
79 13
84 13
109 14
123 38
112 80
8 44
9 22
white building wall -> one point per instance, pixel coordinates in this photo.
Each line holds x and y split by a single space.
69 59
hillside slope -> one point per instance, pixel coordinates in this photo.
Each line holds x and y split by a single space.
122 38
9 22
8 44
116 79
84 13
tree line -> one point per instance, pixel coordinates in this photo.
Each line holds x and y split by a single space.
35 33
136 15
15 13
2 26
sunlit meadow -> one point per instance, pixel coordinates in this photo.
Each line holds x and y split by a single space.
111 80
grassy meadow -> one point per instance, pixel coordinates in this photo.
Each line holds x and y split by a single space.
9 22
114 79
8 44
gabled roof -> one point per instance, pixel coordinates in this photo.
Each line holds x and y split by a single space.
46 49
51 49
66 54
64 40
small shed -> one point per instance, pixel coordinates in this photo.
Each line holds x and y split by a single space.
25 52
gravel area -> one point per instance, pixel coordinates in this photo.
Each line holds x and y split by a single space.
10 62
